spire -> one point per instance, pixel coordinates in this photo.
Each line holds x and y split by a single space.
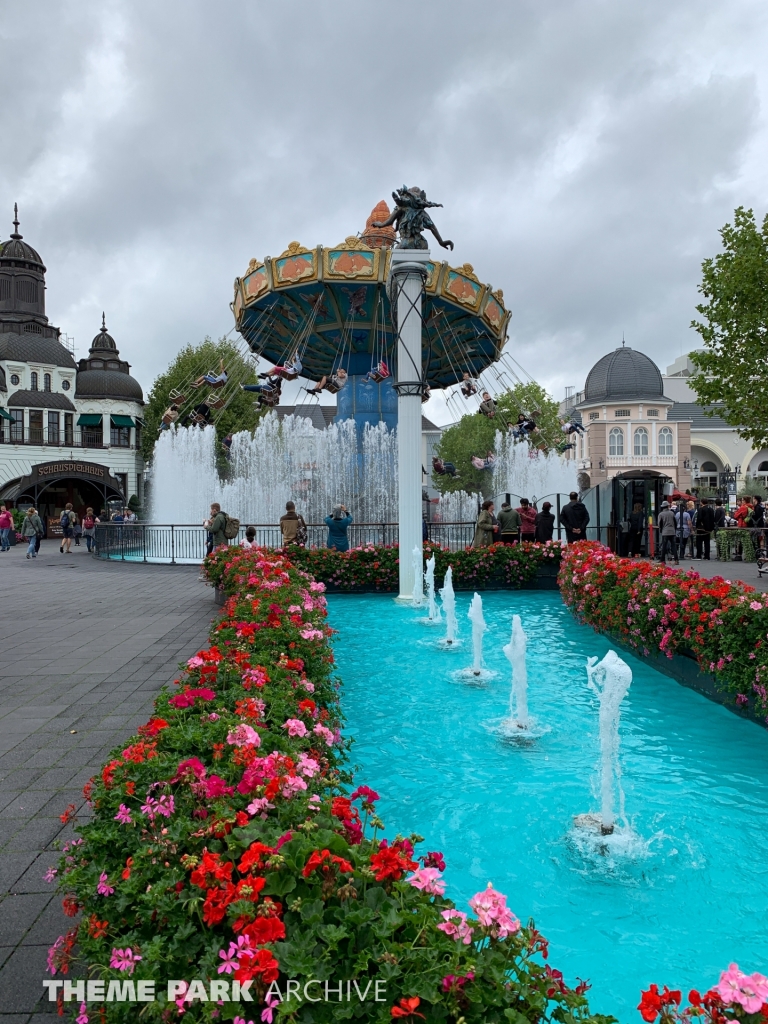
103 323
16 221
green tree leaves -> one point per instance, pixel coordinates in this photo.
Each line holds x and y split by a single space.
735 328
240 413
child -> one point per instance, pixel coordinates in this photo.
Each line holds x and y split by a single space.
249 540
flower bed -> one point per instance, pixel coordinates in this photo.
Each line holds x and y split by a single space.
651 608
226 849
375 568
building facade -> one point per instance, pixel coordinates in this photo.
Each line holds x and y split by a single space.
628 424
69 431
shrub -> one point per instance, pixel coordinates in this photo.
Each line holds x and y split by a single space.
652 608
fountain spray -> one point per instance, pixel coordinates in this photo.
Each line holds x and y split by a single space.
418 577
448 598
429 576
475 615
515 651
610 679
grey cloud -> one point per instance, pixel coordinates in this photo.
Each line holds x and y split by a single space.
586 153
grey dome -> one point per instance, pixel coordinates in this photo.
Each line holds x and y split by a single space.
103 342
17 249
623 375
40 400
107 384
34 348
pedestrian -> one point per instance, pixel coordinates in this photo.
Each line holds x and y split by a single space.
719 514
78 531
249 540
667 533
484 526
67 521
758 513
292 526
684 528
338 522
545 523
693 512
636 529
574 517
527 513
89 529
742 513
216 524
6 522
32 528
509 524
705 524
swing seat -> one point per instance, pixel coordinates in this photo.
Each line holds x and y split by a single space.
214 401
176 396
468 391
378 375
270 398
333 387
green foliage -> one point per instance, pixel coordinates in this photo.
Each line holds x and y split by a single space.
240 414
735 328
475 434
376 567
754 485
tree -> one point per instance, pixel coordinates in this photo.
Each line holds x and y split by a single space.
475 434
240 413
735 329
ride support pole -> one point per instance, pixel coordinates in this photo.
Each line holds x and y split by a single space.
407 276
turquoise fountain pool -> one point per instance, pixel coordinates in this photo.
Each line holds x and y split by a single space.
683 898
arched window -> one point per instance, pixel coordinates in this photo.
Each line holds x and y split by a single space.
46 382
616 441
710 467
33 381
641 441
763 467
665 441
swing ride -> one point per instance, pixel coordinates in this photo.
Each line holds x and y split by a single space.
330 306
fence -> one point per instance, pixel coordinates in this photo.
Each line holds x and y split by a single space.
184 544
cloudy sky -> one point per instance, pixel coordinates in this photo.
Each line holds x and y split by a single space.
586 154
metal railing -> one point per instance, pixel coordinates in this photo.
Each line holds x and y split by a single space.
76 438
185 543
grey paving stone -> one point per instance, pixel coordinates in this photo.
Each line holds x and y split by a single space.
12 867
19 914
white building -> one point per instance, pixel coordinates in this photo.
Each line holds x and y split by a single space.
69 432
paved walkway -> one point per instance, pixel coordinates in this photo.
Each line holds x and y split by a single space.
86 645
731 571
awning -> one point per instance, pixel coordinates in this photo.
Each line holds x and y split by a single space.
5 415
89 419
122 421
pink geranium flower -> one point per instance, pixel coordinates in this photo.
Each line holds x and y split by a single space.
104 888
748 990
124 815
429 880
124 959
455 925
493 913
243 736
295 727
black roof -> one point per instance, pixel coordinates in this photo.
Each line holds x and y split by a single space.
28 347
623 375
695 413
40 400
108 384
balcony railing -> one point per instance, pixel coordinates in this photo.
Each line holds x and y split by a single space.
76 438
641 460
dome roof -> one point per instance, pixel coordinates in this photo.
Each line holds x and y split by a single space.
34 348
104 374
107 384
103 342
623 375
16 248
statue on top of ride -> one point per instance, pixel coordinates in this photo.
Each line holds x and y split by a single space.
410 217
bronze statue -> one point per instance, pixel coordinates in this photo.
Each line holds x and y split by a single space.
410 217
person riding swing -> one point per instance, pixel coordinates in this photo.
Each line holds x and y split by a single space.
332 384
215 380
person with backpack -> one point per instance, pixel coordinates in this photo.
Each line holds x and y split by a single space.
667 534
216 525
32 528
89 529
67 521
705 524
292 527
509 524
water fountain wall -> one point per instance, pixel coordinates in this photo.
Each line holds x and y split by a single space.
610 679
527 472
282 460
